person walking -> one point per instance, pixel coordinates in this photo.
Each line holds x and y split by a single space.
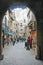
31 42
14 40
28 43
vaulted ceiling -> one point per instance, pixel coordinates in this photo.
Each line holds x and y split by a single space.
34 5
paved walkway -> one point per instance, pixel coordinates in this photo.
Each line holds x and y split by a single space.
18 55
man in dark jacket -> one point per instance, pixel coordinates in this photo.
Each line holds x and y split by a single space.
28 44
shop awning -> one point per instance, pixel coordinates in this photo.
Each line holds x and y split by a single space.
8 33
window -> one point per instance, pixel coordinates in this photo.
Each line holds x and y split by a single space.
21 30
24 21
21 24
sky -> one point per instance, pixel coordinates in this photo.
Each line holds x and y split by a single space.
14 7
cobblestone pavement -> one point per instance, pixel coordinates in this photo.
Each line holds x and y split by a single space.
18 55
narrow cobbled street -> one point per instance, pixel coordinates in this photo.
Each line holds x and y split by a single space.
18 55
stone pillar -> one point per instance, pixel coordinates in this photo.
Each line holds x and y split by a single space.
40 40
1 56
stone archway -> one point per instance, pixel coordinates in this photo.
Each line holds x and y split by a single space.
37 8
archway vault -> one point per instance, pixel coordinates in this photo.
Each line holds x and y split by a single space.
35 5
